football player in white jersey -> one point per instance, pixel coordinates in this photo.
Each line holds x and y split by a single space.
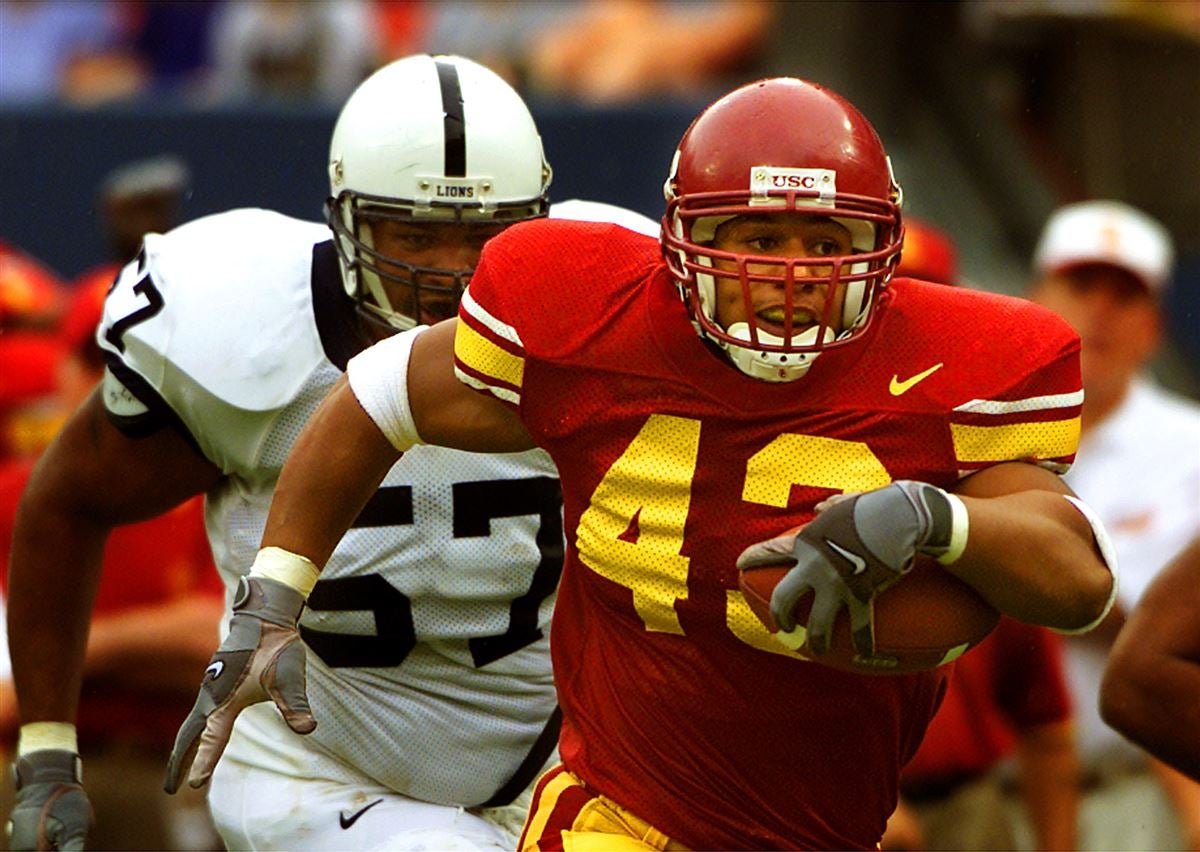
428 672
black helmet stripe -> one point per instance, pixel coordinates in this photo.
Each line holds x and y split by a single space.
453 126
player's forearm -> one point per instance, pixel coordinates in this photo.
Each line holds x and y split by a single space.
1155 664
1143 698
53 574
335 466
1033 556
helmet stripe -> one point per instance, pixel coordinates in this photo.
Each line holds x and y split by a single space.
453 125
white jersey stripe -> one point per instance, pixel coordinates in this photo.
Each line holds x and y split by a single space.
507 332
503 393
1016 406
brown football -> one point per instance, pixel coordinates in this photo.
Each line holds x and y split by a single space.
928 618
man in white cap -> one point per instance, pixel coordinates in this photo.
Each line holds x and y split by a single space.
1104 267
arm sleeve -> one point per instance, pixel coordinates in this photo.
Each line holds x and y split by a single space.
378 377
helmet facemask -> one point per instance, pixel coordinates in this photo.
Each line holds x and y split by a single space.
691 223
391 293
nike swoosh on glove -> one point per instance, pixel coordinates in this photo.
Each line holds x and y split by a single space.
262 658
856 546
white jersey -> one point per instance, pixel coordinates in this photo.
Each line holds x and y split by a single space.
428 665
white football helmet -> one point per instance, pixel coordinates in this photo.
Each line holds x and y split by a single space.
429 138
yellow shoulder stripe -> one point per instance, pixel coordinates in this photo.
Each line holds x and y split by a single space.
483 356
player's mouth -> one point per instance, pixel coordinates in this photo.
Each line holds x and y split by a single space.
773 320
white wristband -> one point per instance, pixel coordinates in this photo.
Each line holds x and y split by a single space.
960 523
35 736
283 566
378 377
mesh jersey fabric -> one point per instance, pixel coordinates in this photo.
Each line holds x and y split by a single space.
677 704
428 667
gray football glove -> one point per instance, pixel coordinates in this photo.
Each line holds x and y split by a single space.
51 810
856 546
262 658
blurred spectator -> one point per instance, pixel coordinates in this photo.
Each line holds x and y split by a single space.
1005 699
929 253
173 38
31 302
604 51
31 295
618 50
136 199
72 49
1104 266
402 27
292 49
500 34
158 608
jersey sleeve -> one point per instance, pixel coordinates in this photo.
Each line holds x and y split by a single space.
211 330
489 350
131 400
542 292
1032 412
489 355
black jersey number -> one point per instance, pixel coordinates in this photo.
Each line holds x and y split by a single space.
476 505
154 303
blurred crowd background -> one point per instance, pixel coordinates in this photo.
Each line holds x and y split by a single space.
995 111
119 117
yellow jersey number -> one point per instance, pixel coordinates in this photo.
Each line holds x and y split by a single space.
632 530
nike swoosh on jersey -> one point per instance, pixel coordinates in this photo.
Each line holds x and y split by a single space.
347 821
898 387
854 559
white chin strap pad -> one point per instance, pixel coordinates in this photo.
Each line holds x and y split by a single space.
773 366
378 378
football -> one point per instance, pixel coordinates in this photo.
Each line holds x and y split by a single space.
928 618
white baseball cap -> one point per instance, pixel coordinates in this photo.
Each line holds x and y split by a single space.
1106 232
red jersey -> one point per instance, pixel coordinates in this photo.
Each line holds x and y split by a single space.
1010 684
677 703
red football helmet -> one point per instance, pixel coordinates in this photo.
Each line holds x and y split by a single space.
775 146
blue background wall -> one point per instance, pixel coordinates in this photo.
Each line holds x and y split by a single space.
54 158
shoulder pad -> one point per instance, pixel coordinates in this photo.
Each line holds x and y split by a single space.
224 304
597 211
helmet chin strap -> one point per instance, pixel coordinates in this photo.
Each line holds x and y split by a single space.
772 366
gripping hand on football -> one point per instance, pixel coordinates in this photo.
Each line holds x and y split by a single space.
262 658
51 810
857 546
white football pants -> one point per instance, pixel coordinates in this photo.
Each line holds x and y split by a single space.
272 791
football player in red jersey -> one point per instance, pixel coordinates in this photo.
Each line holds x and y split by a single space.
793 371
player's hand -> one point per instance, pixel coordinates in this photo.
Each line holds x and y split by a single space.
51 810
856 546
262 658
